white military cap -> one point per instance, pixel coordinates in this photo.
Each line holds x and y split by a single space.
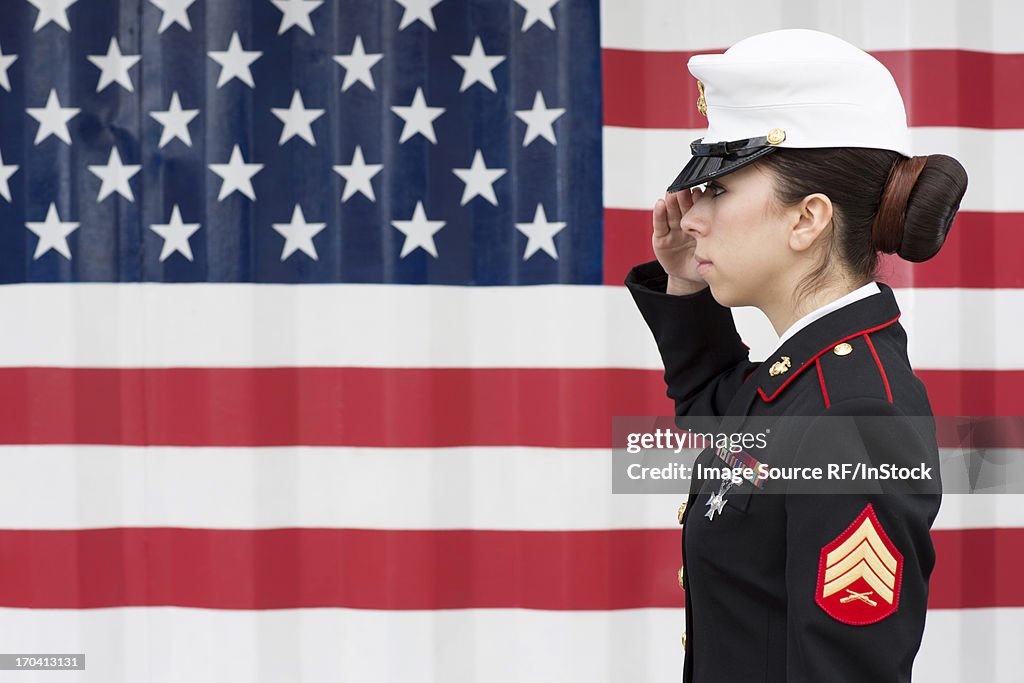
790 88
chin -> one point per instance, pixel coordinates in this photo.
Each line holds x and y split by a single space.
727 296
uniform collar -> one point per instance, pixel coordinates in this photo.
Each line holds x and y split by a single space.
856 295
821 335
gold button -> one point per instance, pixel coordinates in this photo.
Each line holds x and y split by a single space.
684 641
680 512
843 349
681 579
776 135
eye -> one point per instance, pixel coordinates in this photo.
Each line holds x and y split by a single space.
714 188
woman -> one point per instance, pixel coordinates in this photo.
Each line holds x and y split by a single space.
807 177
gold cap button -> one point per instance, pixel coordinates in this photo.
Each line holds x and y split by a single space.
843 349
776 135
680 512
684 641
680 577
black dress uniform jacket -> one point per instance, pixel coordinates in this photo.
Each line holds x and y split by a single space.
752 573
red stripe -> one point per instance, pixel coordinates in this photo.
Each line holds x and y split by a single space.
566 408
881 370
955 88
381 407
982 251
975 392
407 570
821 381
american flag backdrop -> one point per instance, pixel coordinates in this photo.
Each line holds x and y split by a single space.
313 329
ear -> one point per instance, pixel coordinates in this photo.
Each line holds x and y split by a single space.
813 214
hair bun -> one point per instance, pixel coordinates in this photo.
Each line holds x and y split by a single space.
919 201
931 206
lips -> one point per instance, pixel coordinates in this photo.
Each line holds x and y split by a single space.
702 265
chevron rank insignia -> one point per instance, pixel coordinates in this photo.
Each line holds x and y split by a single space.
859 573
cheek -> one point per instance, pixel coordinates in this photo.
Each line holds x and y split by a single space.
752 251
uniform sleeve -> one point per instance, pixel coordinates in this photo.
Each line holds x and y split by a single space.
858 564
705 361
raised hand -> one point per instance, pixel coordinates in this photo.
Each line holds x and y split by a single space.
673 247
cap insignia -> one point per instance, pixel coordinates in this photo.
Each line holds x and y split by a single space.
780 367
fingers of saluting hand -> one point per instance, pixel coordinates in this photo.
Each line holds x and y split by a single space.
687 198
668 212
660 218
677 206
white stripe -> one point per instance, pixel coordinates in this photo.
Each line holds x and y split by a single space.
989 26
971 645
70 487
172 644
241 325
548 326
639 163
74 487
971 326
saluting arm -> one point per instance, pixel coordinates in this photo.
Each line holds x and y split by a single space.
705 361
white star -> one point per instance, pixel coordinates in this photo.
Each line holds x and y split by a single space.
479 179
53 234
53 119
175 235
175 12
115 176
5 64
297 120
6 171
175 121
114 67
296 13
235 62
357 65
538 120
540 234
418 117
298 235
52 10
237 175
419 232
357 176
478 66
538 10
422 10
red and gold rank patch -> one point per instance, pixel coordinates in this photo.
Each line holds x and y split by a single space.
859 573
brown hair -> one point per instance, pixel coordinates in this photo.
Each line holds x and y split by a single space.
882 200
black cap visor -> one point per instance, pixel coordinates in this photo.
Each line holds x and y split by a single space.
716 159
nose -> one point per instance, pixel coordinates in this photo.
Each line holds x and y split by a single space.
695 221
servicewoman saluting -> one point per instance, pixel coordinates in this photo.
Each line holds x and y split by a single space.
807 176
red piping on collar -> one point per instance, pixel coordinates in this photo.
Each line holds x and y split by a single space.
881 370
821 381
818 354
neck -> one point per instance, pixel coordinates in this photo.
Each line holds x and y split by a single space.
785 312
